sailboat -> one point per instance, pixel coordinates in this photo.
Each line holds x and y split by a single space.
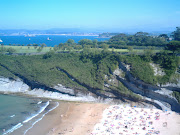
1 41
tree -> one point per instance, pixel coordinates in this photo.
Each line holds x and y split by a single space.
55 48
85 42
176 34
165 36
2 49
78 47
29 46
173 46
48 54
43 45
70 42
35 45
60 46
105 46
130 48
95 41
69 48
11 50
148 53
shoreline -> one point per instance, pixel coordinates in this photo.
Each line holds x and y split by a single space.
74 118
36 109
79 114
70 118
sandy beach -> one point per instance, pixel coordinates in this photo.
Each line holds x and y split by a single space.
71 118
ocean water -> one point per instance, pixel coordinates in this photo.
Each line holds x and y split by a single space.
54 39
19 114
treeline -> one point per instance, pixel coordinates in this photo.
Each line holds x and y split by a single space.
138 39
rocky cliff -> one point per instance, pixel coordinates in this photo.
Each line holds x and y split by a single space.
159 93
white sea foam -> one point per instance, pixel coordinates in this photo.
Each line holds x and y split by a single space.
12 116
57 104
27 120
40 111
13 128
39 102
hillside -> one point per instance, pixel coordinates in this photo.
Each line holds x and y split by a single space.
91 71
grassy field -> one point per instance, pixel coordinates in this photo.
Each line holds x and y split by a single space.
26 49
133 51
32 49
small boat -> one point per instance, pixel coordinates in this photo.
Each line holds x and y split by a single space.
1 41
49 39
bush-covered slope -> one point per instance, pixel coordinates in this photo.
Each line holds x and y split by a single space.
45 70
84 70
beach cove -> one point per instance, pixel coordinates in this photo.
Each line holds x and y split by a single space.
87 115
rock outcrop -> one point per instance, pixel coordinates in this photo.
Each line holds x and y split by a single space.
7 85
148 90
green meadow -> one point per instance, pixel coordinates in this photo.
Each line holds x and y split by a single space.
32 49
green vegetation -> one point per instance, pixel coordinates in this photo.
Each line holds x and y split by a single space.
141 69
85 64
176 34
43 68
83 70
138 39
174 46
169 63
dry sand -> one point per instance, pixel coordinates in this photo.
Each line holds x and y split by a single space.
126 120
71 118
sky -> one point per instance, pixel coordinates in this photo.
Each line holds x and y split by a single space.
90 14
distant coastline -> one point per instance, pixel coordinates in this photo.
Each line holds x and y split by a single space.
66 35
33 35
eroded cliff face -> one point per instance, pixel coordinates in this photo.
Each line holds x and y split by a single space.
157 70
7 85
159 96
60 92
162 94
168 86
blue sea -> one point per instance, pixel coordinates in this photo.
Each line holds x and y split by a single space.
19 114
39 39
